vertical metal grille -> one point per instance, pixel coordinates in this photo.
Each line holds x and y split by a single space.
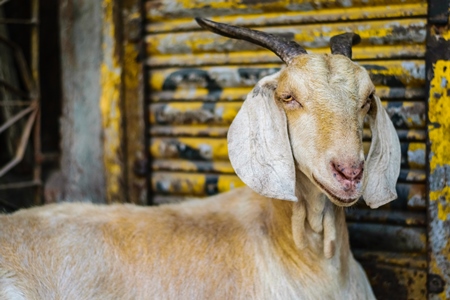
25 102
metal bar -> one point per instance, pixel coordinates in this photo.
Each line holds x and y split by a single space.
34 88
17 117
295 17
164 10
22 65
13 89
15 103
264 56
18 21
383 32
146 101
19 185
22 144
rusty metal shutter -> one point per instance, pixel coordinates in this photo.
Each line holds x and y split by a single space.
198 80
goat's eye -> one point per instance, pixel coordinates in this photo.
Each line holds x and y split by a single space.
287 98
368 101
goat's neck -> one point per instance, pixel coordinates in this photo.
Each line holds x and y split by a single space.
313 224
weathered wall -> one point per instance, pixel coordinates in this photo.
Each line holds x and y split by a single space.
101 84
438 77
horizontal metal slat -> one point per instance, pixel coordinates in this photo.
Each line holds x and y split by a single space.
240 93
265 56
224 167
404 114
415 201
407 260
411 196
412 175
163 10
188 131
398 73
193 184
385 216
179 165
393 282
383 237
296 17
386 32
202 130
208 149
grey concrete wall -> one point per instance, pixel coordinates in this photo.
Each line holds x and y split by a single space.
81 127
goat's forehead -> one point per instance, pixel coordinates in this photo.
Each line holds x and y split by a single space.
326 73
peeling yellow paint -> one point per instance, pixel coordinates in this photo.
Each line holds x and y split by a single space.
439 136
409 72
193 183
373 32
110 107
443 211
439 104
291 17
179 8
265 56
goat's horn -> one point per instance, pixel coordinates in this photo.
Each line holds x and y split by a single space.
286 50
342 43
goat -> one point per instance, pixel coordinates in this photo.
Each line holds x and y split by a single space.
297 137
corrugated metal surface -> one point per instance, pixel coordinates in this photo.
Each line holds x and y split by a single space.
198 81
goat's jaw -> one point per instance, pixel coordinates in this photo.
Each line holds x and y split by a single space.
334 198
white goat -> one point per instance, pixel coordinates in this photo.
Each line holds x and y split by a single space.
297 137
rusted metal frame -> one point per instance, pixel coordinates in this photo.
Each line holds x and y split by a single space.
134 122
146 101
111 102
438 201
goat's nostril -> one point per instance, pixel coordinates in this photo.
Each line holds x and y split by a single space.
352 171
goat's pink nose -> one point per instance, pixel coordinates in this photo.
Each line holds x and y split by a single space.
350 171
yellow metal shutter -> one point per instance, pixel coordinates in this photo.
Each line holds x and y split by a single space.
198 80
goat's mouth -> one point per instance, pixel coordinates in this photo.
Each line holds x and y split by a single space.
337 200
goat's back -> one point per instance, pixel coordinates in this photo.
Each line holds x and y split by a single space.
85 251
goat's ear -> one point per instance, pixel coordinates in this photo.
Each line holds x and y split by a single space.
258 144
383 160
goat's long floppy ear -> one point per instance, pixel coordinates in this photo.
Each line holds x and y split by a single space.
383 160
258 144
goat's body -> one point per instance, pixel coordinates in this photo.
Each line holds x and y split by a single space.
221 248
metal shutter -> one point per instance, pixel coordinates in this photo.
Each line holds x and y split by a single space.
198 80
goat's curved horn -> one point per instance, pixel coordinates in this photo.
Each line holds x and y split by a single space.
342 43
286 50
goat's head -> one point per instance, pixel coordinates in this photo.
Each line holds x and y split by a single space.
310 115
